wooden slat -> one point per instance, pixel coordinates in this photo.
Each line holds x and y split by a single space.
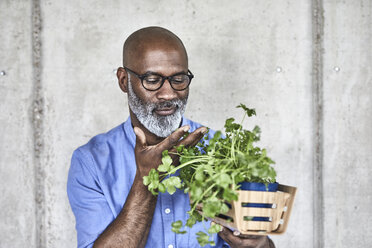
256 225
280 206
291 191
260 196
256 196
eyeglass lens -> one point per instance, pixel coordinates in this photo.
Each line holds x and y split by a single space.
154 82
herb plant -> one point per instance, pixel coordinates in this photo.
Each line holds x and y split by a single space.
212 171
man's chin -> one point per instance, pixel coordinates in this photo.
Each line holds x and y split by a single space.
165 124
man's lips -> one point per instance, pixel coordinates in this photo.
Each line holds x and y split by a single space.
165 111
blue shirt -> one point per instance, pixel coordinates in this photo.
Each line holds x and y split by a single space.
99 181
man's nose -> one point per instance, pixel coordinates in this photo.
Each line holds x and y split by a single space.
166 92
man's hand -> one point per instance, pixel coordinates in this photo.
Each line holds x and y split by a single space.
148 157
245 241
132 225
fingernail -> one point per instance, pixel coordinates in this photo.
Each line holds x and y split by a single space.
221 228
186 128
204 130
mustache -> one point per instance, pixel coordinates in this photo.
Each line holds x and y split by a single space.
167 104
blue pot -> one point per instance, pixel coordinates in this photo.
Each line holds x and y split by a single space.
271 187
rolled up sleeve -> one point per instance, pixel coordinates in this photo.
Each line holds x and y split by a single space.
88 203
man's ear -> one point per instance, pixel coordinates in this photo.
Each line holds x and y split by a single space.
122 75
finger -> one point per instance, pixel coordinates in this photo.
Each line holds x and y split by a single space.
193 138
247 236
241 240
227 235
173 139
140 137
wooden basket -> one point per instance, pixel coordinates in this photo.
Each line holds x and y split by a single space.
237 218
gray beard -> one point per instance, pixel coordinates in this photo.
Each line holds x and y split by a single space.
161 126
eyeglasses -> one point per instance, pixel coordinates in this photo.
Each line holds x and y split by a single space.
152 81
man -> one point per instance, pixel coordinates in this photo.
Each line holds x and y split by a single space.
111 205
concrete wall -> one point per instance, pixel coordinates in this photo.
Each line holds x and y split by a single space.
304 65
17 204
347 123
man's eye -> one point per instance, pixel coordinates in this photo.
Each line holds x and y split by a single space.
153 80
179 79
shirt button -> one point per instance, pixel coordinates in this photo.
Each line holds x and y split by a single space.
167 211
170 246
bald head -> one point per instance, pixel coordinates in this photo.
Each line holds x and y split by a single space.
150 39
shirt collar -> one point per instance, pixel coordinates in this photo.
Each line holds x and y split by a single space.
128 130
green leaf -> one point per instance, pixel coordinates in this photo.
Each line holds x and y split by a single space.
153 185
163 168
229 122
180 148
202 238
211 208
199 175
255 172
171 190
214 229
176 181
146 180
167 160
164 153
176 226
153 175
191 221
208 168
195 192
162 188
171 183
224 180
224 208
248 111
229 195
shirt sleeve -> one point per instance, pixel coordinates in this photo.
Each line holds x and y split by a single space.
88 203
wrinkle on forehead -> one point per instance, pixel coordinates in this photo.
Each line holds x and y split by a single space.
157 60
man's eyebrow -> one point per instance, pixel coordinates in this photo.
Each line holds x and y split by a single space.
157 73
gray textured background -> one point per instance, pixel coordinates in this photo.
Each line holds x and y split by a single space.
304 65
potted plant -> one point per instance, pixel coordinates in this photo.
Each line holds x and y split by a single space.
215 173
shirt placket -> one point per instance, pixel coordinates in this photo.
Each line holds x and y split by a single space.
168 217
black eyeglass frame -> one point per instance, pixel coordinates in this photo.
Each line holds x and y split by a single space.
163 78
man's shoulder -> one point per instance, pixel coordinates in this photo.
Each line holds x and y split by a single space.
193 124
100 143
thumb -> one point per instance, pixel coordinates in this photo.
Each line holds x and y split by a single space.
140 137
